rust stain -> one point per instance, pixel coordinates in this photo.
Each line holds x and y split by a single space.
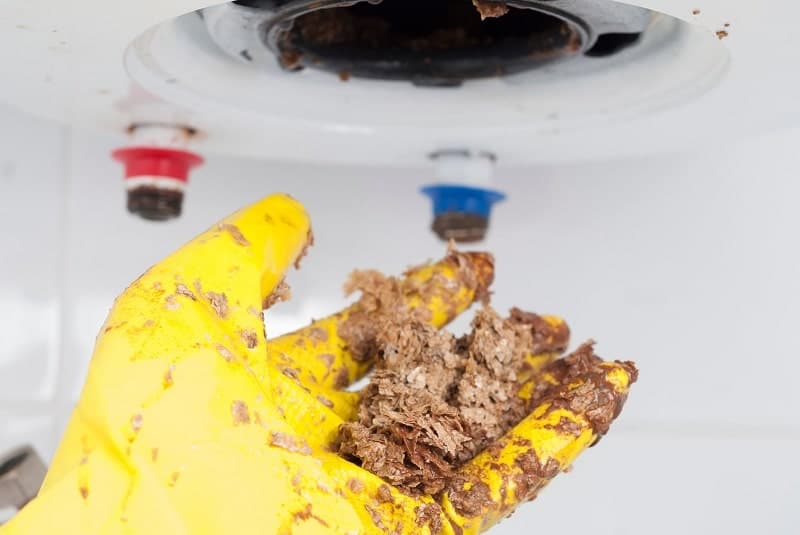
241 413
235 233
168 380
219 302
182 289
325 401
318 334
355 485
289 443
250 338
136 422
171 303
225 352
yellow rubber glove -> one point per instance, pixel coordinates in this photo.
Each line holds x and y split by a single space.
190 423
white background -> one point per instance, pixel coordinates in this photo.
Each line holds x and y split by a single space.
688 264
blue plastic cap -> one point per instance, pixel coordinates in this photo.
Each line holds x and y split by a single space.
462 199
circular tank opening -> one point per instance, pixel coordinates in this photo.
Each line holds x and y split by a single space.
429 42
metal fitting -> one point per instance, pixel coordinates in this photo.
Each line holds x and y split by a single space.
157 167
462 200
22 472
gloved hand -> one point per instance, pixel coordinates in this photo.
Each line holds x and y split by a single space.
190 422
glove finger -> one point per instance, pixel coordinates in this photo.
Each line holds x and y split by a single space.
549 338
332 353
384 508
567 418
196 304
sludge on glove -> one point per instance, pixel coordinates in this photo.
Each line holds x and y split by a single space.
190 422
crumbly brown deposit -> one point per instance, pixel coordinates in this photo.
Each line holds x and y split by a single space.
240 412
384 494
355 485
595 397
289 443
342 378
309 243
250 338
431 515
282 292
219 302
545 337
384 298
290 59
469 495
489 9
532 475
380 295
235 233
487 391
318 334
136 422
171 303
580 384
327 359
375 515
325 401
407 433
435 401
225 352
346 28
182 289
168 379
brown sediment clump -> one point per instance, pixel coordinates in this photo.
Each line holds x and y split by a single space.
435 401
348 28
578 384
489 9
384 300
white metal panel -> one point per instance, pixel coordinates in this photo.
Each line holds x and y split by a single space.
64 60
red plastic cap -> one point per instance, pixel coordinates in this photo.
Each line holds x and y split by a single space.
157 162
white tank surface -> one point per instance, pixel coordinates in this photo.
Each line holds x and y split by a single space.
221 70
